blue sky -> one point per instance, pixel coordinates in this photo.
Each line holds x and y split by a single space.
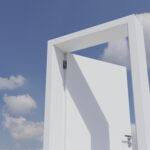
25 28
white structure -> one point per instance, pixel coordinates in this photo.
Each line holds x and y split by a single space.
87 102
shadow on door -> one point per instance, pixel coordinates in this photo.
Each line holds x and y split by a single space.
87 105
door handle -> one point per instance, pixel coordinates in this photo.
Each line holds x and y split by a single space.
129 140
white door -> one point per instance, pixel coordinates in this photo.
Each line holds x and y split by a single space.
97 108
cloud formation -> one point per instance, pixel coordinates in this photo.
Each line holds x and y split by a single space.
20 104
22 129
12 82
118 52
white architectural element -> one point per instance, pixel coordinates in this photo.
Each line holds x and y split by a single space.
71 92
97 109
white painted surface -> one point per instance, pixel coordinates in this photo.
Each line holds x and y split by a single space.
55 101
93 36
140 84
97 105
54 127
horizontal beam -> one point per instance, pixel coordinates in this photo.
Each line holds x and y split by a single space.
93 36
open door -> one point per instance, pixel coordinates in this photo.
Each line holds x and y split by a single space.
92 111
97 107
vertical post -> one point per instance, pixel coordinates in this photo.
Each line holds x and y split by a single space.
55 101
140 83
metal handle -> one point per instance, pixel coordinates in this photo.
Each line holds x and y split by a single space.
129 140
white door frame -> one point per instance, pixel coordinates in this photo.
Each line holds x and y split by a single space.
54 124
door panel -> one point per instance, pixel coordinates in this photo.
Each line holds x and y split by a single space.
97 108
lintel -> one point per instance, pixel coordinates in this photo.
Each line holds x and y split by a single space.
93 36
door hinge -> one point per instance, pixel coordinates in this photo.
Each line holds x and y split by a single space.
64 64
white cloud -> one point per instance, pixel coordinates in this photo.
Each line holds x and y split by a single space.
117 51
12 82
22 129
20 104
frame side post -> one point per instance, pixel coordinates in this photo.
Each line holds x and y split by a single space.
140 83
54 121
47 102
